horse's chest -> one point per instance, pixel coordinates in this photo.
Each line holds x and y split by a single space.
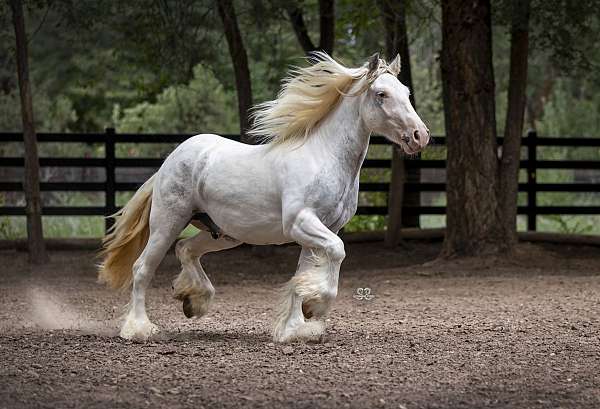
337 203
349 206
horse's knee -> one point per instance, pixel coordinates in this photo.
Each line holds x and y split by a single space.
335 250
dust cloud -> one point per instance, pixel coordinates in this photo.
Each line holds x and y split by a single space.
49 312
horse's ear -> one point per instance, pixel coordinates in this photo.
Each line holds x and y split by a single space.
395 65
373 62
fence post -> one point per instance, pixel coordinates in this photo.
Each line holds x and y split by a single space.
531 180
109 192
396 197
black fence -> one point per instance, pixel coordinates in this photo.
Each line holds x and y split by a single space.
110 163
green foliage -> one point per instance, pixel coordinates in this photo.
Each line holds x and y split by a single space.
569 224
9 230
51 114
573 109
202 105
366 223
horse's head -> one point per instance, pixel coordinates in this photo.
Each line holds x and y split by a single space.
386 109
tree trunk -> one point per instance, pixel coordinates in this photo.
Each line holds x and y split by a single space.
239 58
513 130
472 217
35 237
300 29
326 27
393 14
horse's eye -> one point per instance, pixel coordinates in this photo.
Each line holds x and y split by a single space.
380 94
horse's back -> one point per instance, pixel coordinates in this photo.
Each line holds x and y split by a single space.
195 152
208 140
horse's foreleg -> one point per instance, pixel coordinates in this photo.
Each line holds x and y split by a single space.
192 286
313 288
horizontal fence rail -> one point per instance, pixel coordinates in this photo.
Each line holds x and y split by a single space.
110 162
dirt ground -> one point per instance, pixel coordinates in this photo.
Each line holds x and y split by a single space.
519 333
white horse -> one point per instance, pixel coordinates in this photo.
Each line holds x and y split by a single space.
301 186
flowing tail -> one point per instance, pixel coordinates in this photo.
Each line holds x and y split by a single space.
126 239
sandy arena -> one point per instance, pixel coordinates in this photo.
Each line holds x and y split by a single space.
475 333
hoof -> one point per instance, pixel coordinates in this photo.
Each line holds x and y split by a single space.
306 311
188 307
311 331
196 305
138 330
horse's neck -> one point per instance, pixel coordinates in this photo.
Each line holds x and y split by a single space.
343 137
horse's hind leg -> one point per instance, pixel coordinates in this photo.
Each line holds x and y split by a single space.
192 286
165 226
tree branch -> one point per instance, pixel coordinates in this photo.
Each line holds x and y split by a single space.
299 26
239 59
326 27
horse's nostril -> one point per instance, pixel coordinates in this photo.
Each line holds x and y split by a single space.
416 135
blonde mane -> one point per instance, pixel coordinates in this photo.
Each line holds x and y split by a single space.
306 97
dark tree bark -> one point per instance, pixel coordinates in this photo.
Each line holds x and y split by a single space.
393 13
297 19
239 58
473 223
513 130
326 27
35 237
